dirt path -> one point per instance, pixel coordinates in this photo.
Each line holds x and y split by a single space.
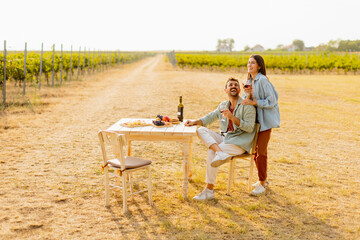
54 150
48 159
51 184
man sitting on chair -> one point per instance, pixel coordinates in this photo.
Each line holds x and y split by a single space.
237 132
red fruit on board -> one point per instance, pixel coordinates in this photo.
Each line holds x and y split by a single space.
166 119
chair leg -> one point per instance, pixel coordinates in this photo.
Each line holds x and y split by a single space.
131 185
117 183
107 193
251 172
231 175
124 176
149 186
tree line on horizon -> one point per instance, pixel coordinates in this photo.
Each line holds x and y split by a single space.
227 45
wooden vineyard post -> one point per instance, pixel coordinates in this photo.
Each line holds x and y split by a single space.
109 54
61 70
4 82
93 61
97 61
89 57
88 61
77 78
119 58
41 61
52 66
100 61
105 61
25 53
70 64
83 71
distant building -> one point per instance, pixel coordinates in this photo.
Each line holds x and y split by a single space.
290 48
257 48
308 48
224 48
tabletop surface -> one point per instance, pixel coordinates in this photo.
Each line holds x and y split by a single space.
176 129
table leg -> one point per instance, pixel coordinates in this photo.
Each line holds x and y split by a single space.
190 159
186 154
130 174
129 148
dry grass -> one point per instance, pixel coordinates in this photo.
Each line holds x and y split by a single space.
52 185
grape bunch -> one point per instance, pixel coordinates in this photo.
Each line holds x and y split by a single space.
162 120
158 123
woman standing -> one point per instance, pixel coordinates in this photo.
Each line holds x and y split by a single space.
261 94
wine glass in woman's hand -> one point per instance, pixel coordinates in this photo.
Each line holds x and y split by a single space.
247 86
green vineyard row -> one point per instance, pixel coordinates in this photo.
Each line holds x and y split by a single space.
15 63
294 62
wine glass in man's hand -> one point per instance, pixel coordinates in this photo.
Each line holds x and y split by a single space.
222 108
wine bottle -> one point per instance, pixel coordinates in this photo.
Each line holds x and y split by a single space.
180 110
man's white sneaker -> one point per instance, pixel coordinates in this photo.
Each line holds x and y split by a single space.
258 182
220 158
206 194
258 190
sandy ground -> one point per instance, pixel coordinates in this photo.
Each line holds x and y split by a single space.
51 184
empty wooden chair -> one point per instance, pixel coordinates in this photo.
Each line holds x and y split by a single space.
247 157
123 167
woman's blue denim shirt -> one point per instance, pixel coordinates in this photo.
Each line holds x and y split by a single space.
268 113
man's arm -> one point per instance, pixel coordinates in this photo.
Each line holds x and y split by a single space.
248 119
235 120
207 119
189 123
230 116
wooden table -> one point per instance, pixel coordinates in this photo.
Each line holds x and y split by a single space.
177 132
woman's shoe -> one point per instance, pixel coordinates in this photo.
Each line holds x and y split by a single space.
258 182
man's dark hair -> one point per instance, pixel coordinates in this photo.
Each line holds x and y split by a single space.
231 79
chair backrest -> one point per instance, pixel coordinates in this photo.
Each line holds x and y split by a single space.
253 144
118 143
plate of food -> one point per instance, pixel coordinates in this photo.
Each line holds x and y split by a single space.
174 121
161 124
135 123
164 121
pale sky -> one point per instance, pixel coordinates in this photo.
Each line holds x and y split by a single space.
175 25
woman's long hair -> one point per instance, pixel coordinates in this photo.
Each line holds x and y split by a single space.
260 61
